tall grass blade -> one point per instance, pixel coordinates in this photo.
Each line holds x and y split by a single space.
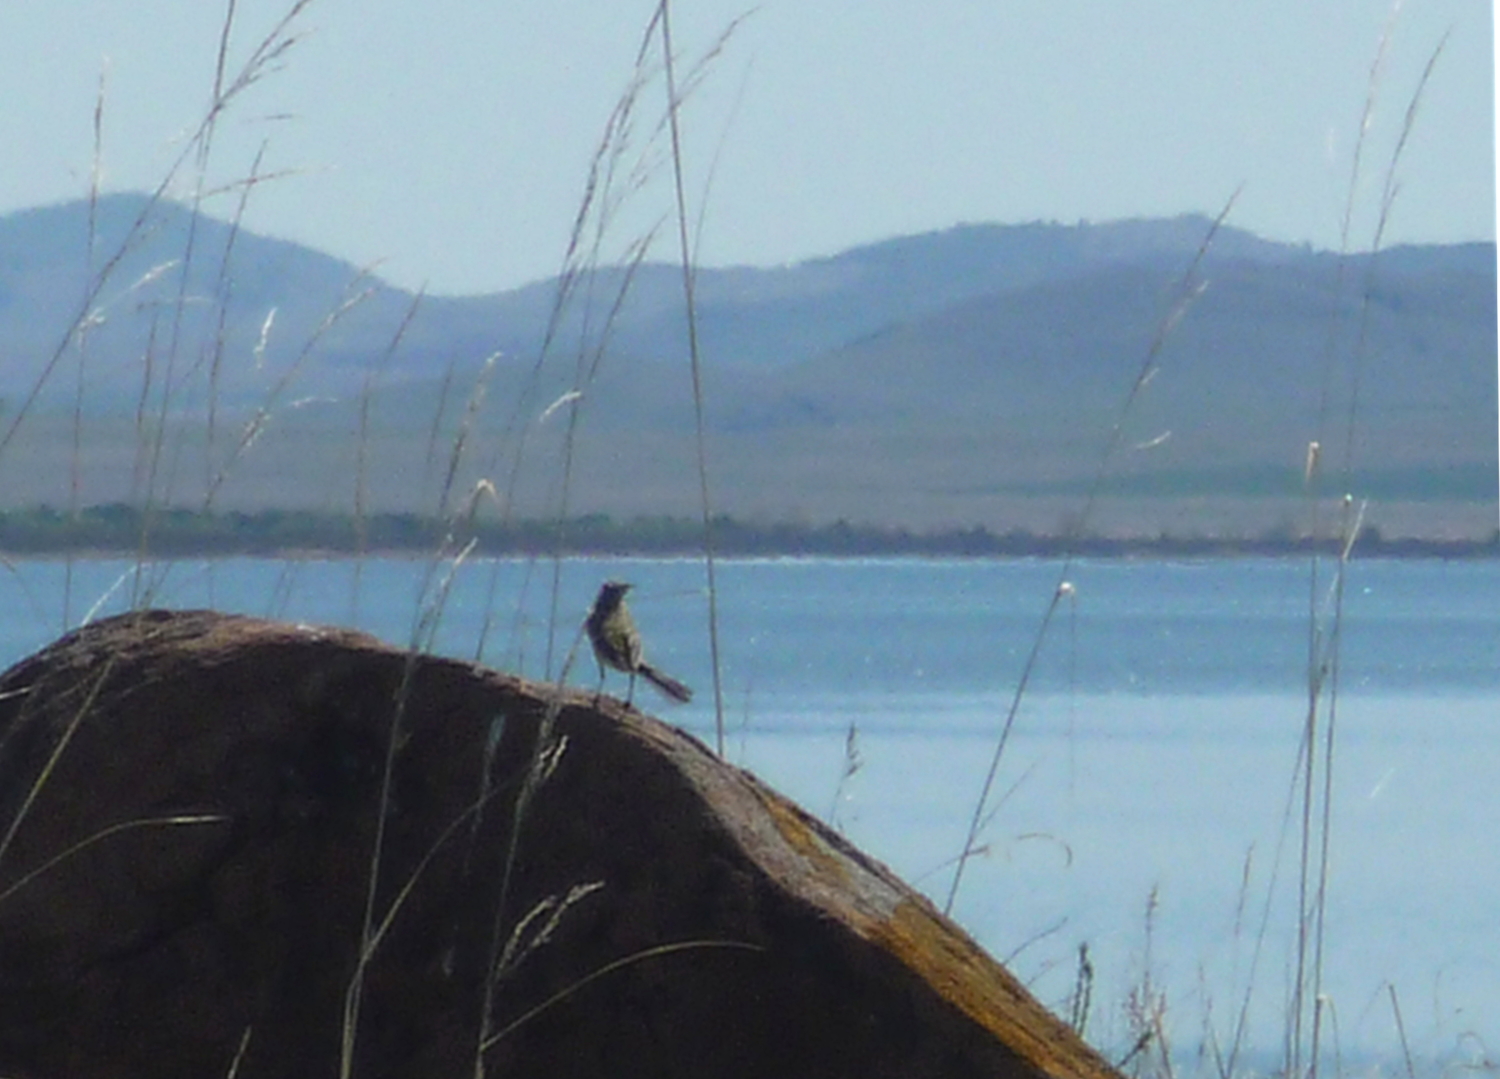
1188 290
695 357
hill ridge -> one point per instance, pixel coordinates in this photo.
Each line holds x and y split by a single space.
889 383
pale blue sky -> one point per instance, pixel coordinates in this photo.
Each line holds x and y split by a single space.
450 139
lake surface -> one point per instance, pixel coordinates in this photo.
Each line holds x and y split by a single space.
1153 762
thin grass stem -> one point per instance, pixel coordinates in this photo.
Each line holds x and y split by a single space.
61 747
609 968
178 821
696 361
1188 291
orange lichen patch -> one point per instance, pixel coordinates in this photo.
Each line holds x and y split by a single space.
796 830
823 869
983 990
907 927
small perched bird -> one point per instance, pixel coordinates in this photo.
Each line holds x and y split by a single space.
617 644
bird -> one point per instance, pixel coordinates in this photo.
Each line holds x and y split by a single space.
617 644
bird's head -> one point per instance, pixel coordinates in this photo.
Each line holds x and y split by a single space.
614 590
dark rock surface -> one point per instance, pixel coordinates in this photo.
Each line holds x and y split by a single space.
190 810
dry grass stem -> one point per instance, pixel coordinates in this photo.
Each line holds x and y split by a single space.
635 958
1189 288
178 821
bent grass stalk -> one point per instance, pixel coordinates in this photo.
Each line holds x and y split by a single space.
375 930
174 821
566 993
1189 288
44 775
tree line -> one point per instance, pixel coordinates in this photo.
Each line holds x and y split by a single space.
165 532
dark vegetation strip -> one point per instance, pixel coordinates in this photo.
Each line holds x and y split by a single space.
175 533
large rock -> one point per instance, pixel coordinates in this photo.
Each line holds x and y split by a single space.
193 806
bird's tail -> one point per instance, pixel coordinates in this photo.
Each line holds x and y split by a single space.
668 685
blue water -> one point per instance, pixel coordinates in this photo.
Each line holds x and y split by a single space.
1151 762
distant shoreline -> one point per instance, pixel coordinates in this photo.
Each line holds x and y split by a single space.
121 531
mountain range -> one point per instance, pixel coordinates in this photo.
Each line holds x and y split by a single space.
1161 375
